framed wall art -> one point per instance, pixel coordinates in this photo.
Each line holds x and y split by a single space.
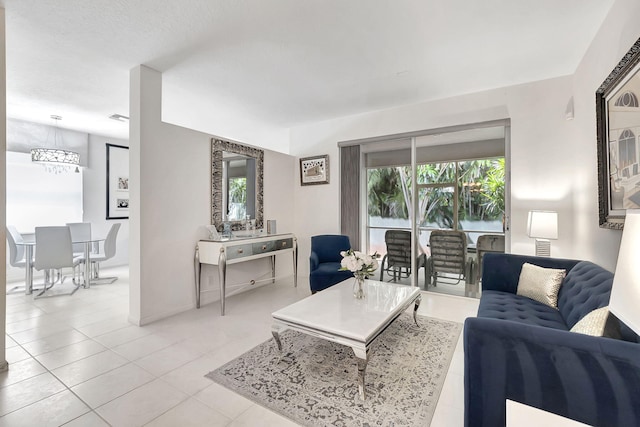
314 170
618 135
117 181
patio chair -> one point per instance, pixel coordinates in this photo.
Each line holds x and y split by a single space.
397 261
449 256
487 243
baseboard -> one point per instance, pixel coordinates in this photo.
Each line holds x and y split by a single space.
159 316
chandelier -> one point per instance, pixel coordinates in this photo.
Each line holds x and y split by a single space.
56 160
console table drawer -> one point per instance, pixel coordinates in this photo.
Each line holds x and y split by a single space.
239 251
263 247
284 244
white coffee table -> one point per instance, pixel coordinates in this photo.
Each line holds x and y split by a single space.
335 315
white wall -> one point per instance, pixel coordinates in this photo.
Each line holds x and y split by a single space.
553 161
221 120
170 181
3 180
618 33
95 198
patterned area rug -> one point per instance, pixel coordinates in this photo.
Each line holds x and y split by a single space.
315 382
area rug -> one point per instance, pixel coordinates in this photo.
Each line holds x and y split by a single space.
315 381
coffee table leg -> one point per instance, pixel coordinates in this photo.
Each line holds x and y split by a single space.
363 358
415 309
276 335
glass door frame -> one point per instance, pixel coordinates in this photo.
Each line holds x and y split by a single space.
413 211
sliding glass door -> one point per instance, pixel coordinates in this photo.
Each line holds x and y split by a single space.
460 187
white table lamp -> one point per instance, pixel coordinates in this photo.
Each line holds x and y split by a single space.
543 226
625 292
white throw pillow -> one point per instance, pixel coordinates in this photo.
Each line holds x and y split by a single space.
598 323
541 284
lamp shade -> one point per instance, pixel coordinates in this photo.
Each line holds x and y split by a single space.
543 224
625 292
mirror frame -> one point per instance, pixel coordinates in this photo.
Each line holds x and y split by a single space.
217 147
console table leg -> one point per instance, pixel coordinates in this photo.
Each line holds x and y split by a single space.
222 272
295 263
196 266
273 268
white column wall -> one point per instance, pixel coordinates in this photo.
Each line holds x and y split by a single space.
553 161
3 186
95 198
170 182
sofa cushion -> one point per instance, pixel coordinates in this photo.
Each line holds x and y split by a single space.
508 306
586 288
541 284
598 323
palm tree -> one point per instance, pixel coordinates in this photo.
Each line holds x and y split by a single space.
480 185
493 189
238 190
384 198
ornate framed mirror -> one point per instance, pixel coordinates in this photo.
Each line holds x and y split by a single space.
236 184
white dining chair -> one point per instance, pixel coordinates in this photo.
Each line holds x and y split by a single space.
108 253
80 232
16 252
54 251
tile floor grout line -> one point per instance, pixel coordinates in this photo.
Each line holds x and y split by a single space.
165 330
69 388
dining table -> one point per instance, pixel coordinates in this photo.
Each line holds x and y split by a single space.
28 255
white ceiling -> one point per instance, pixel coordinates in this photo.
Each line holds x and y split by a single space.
279 63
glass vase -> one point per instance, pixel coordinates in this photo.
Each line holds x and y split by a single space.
358 287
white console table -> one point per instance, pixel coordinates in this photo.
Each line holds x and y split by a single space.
241 249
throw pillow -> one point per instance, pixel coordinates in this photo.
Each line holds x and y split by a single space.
598 323
541 284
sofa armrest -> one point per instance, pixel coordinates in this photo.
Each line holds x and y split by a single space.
589 379
313 261
501 272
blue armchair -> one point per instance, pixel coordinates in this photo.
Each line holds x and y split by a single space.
324 261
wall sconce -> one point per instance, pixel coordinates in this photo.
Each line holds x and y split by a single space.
568 112
543 226
625 291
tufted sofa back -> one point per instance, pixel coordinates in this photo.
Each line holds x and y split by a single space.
586 288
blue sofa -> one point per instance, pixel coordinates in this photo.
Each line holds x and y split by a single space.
519 349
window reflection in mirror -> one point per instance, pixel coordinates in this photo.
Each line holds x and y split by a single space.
239 186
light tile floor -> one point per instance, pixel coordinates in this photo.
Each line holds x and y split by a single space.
76 361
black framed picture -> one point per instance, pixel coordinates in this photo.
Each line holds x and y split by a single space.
117 181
